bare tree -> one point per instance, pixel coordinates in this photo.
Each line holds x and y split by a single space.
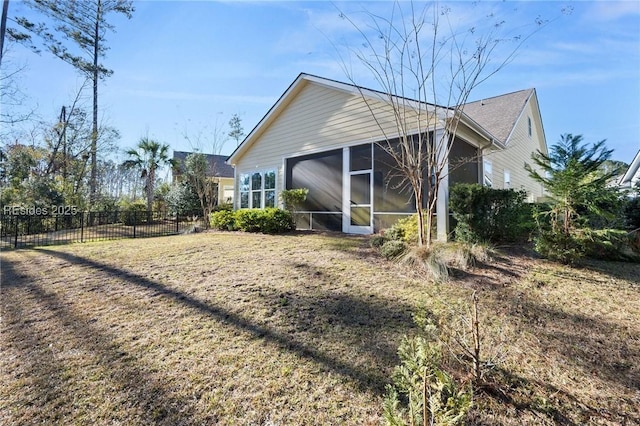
426 69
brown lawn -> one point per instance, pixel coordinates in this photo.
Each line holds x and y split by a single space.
232 328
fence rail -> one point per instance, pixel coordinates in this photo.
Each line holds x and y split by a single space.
40 230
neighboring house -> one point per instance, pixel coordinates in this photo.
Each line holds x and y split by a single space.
631 178
322 136
218 169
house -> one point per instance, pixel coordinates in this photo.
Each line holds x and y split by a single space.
631 178
218 169
321 135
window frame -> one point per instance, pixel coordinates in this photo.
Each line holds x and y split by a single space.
246 187
487 173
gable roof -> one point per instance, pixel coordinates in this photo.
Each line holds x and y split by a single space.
484 117
217 164
499 114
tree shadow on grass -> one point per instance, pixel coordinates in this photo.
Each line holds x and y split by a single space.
593 346
50 377
365 327
628 271
367 378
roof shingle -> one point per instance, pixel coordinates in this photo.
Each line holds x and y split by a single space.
499 114
217 164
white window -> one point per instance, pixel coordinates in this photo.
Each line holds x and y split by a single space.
488 173
258 189
227 193
507 179
530 129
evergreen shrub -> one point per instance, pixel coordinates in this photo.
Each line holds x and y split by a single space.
393 248
133 212
268 221
632 213
223 220
484 214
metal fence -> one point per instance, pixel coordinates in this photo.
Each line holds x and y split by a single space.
40 230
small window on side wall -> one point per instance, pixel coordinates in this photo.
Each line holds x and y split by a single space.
488 173
530 127
507 179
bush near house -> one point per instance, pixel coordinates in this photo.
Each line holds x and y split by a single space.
632 213
267 221
485 214
223 220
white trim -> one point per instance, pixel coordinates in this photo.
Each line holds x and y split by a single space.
262 172
634 167
489 175
515 124
346 206
442 203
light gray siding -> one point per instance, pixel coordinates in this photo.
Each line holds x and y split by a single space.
520 146
317 119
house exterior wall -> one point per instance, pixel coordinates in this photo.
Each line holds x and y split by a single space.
225 190
519 148
317 119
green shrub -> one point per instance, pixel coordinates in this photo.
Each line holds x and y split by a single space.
223 220
223 207
377 241
483 214
249 220
606 244
393 248
394 233
293 198
420 385
277 221
269 221
632 213
133 212
405 229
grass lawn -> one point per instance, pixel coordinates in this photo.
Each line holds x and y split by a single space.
232 328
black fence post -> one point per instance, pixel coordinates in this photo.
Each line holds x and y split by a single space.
82 227
135 214
177 223
15 240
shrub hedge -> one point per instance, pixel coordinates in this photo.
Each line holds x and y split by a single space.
268 221
485 214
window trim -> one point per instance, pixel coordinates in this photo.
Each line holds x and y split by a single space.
487 176
507 179
262 190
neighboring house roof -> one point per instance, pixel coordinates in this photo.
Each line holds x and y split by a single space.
217 164
499 114
632 174
303 79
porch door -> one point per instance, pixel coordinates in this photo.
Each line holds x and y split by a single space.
361 208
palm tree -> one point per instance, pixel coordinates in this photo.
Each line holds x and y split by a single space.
148 157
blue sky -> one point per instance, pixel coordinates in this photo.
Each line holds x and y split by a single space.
184 67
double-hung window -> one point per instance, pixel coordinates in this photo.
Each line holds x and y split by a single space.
258 189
